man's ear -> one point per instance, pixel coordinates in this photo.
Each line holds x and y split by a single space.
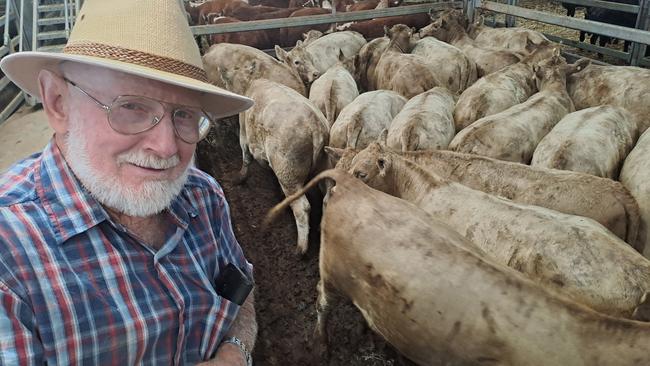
54 93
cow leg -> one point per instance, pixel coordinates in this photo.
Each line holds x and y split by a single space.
291 178
582 36
247 157
324 304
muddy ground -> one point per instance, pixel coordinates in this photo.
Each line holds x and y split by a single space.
286 284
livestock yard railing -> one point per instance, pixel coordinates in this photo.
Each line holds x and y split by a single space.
339 17
640 36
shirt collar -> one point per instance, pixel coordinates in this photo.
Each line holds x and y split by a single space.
70 206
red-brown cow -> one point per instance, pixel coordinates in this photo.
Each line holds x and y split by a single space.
374 28
258 39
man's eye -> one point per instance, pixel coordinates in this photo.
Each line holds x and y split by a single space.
134 107
184 114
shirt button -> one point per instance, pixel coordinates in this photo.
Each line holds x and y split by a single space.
193 215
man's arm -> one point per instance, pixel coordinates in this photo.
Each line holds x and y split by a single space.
18 343
243 327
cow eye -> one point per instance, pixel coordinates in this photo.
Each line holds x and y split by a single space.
381 163
296 62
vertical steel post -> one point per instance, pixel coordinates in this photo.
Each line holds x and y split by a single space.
470 9
6 39
511 20
642 22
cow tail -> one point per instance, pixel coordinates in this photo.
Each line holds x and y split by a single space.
633 217
334 174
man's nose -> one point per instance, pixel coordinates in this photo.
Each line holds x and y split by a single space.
161 139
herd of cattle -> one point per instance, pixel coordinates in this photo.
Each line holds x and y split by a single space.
491 203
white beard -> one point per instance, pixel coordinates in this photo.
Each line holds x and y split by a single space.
147 199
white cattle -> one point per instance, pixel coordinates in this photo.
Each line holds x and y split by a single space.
514 133
420 286
453 68
573 255
335 89
234 67
499 90
362 121
313 59
635 175
285 132
621 86
593 141
401 71
426 122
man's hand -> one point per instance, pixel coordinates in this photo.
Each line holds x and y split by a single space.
228 354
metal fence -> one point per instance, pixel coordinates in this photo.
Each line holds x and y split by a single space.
639 36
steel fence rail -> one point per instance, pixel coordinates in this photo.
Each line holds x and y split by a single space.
627 8
321 19
615 31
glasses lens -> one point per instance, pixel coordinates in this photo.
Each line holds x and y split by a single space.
191 124
132 114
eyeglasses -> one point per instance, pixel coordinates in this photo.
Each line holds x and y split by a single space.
132 114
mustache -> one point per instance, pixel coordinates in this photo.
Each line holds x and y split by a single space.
148 161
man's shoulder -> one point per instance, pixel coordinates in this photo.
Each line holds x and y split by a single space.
200 180
17 184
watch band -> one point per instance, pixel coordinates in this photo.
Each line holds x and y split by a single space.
242 348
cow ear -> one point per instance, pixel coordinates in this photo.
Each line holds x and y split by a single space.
280 53
382 137
537 70
556 52
334 154
383 165
413 30
299 43
577 66
386 31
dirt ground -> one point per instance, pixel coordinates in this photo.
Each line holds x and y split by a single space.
286 284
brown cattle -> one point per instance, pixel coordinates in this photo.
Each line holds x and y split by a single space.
257 39
242 11
289 36
374 28
372 4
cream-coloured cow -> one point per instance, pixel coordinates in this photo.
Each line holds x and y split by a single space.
514 133
499 90
362 121
285 132
621 86
453 68
606 201
335 89
426 122
449 27
403 72
593 141
570 254
522 40
635 175
313 59
234 67
433 297
367 60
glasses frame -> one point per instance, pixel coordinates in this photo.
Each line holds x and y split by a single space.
156 119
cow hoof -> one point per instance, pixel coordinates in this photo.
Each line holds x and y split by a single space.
642 311
301 252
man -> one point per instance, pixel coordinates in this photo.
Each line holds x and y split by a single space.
111 243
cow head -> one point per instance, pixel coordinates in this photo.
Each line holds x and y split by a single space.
299 60
555 69
372 164
401 36
448 25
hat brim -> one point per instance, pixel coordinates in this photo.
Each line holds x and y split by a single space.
22 68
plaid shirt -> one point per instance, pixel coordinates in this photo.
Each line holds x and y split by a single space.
76 288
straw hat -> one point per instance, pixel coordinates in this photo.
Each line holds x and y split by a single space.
148 38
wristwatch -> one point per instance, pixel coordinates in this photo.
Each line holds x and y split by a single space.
242 348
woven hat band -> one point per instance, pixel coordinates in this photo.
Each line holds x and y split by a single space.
139 58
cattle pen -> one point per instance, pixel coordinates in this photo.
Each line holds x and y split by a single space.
286 284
